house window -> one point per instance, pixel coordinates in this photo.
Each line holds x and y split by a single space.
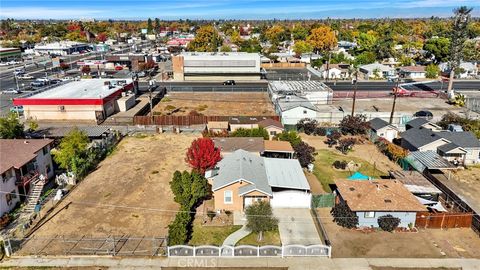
45 150
227 197
273 133
369 214
48 169
10 197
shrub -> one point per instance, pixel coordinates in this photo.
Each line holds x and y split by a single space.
333 138
194 113
307 125
289 136
340 164
388 223
254 132
354 125
178 230
211 214
260 218
343 216
320 131
228 213
346 144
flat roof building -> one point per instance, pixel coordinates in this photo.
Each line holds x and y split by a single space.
314 91
10 53
61 48
87 99
218 66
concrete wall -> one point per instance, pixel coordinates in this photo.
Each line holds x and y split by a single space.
44 162
292 116
405 218
70 112
7 184
177 66
472 156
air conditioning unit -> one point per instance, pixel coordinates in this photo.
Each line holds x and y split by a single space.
61 108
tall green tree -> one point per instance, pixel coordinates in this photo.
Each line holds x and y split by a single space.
157 24
72 151
10 127
432 71
458 36
149 26
206 40
438 47
260 218
189 189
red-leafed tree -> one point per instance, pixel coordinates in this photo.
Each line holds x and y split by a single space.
203 155
101 37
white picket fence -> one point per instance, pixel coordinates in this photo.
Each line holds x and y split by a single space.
250 251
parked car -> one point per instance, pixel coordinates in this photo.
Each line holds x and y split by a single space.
4 64
55 81
229 82
11 91
17 109
118 67
25 77
424 114
38 83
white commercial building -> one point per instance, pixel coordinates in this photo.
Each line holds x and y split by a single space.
87 99
61 48
315 92
200 66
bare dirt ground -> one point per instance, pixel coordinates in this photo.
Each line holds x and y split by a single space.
467 182
367 151
128 194
430 243
221 104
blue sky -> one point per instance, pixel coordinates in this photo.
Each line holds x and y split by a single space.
229 9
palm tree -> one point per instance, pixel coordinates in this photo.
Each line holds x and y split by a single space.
459 35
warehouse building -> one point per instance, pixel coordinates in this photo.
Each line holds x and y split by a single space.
199 66
7 54
315 92
84 100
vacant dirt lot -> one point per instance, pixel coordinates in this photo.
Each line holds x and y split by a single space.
128 194
221 104
467 184
454 243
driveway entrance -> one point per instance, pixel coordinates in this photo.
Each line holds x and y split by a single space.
296 226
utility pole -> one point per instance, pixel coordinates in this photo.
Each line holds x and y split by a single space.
328 66
394 100
355 92
151 83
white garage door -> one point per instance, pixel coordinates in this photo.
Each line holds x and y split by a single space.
291 199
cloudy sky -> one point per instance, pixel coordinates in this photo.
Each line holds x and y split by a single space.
229 9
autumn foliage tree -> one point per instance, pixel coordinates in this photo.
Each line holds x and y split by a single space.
203 155
322 39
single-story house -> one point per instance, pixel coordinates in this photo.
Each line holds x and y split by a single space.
243 178
371 199
468 69
273 127
278 149
335 71
246 122
417 184
381 128
217 126
422 123
412 72
460 148
228 145
376 70
292 108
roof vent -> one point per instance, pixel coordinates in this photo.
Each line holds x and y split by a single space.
388 200
25 142
352 189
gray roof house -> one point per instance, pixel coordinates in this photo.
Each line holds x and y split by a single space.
292 108
457 147
242 178
376 69
380 128
421 122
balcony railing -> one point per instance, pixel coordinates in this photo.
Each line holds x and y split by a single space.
27 178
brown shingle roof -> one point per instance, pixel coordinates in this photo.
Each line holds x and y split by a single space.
378 195
270 122
278 146
231 144
413 68
17 152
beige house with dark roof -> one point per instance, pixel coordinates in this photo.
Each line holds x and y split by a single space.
371 199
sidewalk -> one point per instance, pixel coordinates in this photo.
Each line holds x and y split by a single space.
292 263
236 236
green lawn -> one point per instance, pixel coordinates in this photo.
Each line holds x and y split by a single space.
326 174
269 238
211 235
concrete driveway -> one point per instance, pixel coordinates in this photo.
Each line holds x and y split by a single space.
296 226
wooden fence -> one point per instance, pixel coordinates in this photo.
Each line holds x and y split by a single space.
187 120
443 220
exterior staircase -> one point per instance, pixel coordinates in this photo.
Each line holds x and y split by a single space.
34 194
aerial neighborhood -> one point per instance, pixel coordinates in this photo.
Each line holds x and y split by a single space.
297 143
